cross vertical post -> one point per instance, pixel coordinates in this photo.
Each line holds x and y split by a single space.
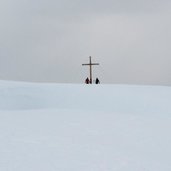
90 70
90 64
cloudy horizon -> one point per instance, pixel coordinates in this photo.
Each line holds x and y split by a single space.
47 41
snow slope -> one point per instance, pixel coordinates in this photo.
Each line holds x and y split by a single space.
67 127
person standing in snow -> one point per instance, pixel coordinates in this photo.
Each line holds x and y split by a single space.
87 81
97 81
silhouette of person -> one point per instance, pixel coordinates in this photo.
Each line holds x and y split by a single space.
97 81
87 81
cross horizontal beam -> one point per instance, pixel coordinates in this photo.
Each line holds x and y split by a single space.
92 64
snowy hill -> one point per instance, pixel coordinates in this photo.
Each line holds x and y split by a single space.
67 127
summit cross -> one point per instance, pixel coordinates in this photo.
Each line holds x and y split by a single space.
90 64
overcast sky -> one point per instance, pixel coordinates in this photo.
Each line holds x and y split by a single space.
48 40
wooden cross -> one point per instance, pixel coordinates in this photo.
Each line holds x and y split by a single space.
90 64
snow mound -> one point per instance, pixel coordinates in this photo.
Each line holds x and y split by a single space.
67 127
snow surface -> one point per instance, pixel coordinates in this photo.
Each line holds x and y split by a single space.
67 127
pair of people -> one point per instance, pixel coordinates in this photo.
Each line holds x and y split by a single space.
87 81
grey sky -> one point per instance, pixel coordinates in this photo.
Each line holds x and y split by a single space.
48 40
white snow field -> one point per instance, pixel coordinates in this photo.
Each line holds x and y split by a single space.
67 127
